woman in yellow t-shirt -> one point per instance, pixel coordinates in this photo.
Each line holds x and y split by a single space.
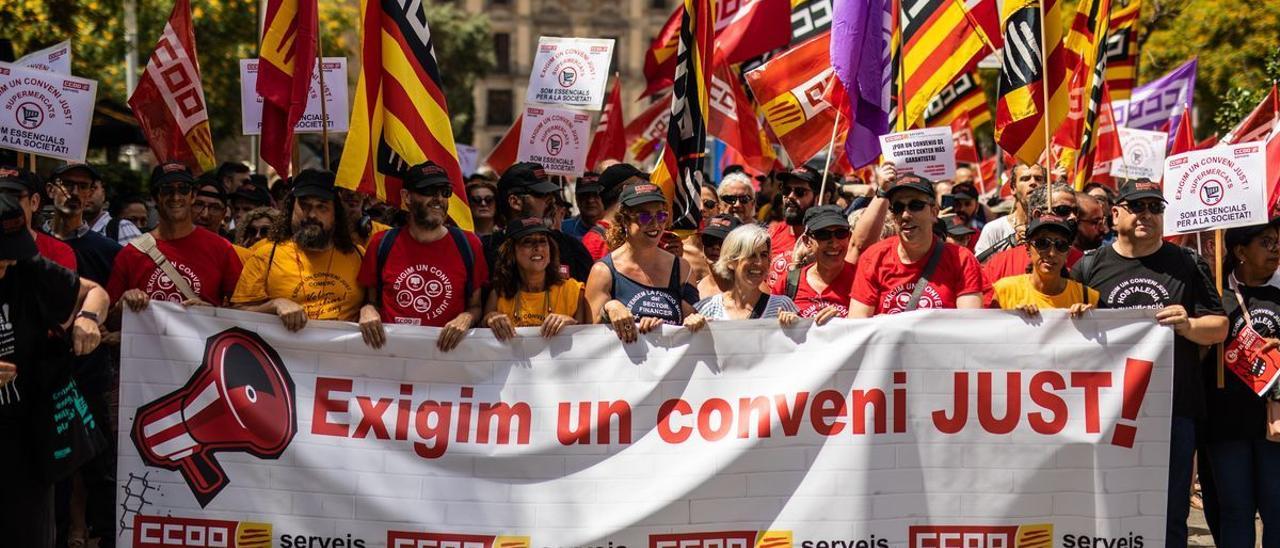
1046 285
528 287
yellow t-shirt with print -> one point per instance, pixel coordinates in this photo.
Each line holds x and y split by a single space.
323 282
1017 291
534 307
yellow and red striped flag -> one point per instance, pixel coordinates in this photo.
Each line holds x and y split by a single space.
399 117
963 97
939 44
1086 53
286 62
1122 50
679 169
1022 113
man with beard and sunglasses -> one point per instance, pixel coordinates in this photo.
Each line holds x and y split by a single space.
1016 260
69 188
424 273
915 268
1141 270
308 269
205 265
799 192
821 289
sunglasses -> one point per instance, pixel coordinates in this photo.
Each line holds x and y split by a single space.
797 191
915 206
735 200
435 192
1138 208
174 188
829 233
708 204
644 217
1043 244
1063 211
481 200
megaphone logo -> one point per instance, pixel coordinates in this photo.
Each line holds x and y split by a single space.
241 398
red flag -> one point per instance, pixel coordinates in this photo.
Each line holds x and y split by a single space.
791 90
744 29
733 120
286 63
504 153
1208 142
609 141
962 134
1263 124
1108 148
660 58
1184 140
646 132
169 101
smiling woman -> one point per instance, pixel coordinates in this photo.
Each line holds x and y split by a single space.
528 288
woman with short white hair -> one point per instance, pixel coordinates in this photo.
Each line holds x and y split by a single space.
744 262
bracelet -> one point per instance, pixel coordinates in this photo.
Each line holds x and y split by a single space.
89 315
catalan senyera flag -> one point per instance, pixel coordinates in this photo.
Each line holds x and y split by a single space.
679 169
169 99
938 44
1122 50
286 63
609 141
963 97
646 132
504 153
791 90
1022 112
399 117
1086 53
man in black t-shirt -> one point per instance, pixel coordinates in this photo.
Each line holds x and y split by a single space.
1141 270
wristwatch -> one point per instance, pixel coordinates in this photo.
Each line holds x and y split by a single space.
90 315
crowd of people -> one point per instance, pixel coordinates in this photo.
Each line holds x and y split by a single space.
785 246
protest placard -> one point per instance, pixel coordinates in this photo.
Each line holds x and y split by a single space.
55 58
1222 187
928 152
45 113
901 430
1143 154
335 83
570 72
556 138
467 158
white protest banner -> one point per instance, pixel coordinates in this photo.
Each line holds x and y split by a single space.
556 138
570 72
897 431
55 58
467 157
1143 154
928 152
335 82
1222 187
45 113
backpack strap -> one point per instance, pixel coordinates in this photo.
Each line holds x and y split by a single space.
146 243
384 250
929 267
793 282
468 256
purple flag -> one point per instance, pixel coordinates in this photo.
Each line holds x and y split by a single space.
860 36
1160 102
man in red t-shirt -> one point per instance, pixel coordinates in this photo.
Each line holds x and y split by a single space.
206 262
821 290
423 275
25 187
889 270
799 192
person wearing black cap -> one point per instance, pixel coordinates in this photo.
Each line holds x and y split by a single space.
1238 445
309 269
915 268
714 231
1045 285
424 273
528 288
37 298
821 289
525 191
799 193
964 206
25 186
231 175
246 198
961 235
1141 270
638 286
210 206
178 261
590 206
612 181
94 253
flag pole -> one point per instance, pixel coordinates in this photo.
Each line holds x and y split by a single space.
1044 87
324 96
902 64
822 192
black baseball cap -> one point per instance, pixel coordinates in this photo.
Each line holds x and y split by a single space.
1052 222
253 193
14 178
720 226
526 178
964 190
171 172
642 193
960 231
313 182
910 181
67 168
520 228
1137 189
824 216
208 180
617 174
16 243
588 183
804 173
426 175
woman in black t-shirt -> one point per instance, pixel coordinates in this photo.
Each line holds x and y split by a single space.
1245 465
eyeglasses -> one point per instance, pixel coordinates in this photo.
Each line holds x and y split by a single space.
708 204
829 233
1043 244
915 206
212 206
797 191
1063 211
481 200
174 188
644 217
1138 208
732 199
1269 244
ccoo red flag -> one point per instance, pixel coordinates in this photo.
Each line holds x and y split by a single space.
286 63
609 141
962 134
646 132
744 30
733 120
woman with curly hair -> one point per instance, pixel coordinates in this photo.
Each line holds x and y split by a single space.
638 286
255 226
528 289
